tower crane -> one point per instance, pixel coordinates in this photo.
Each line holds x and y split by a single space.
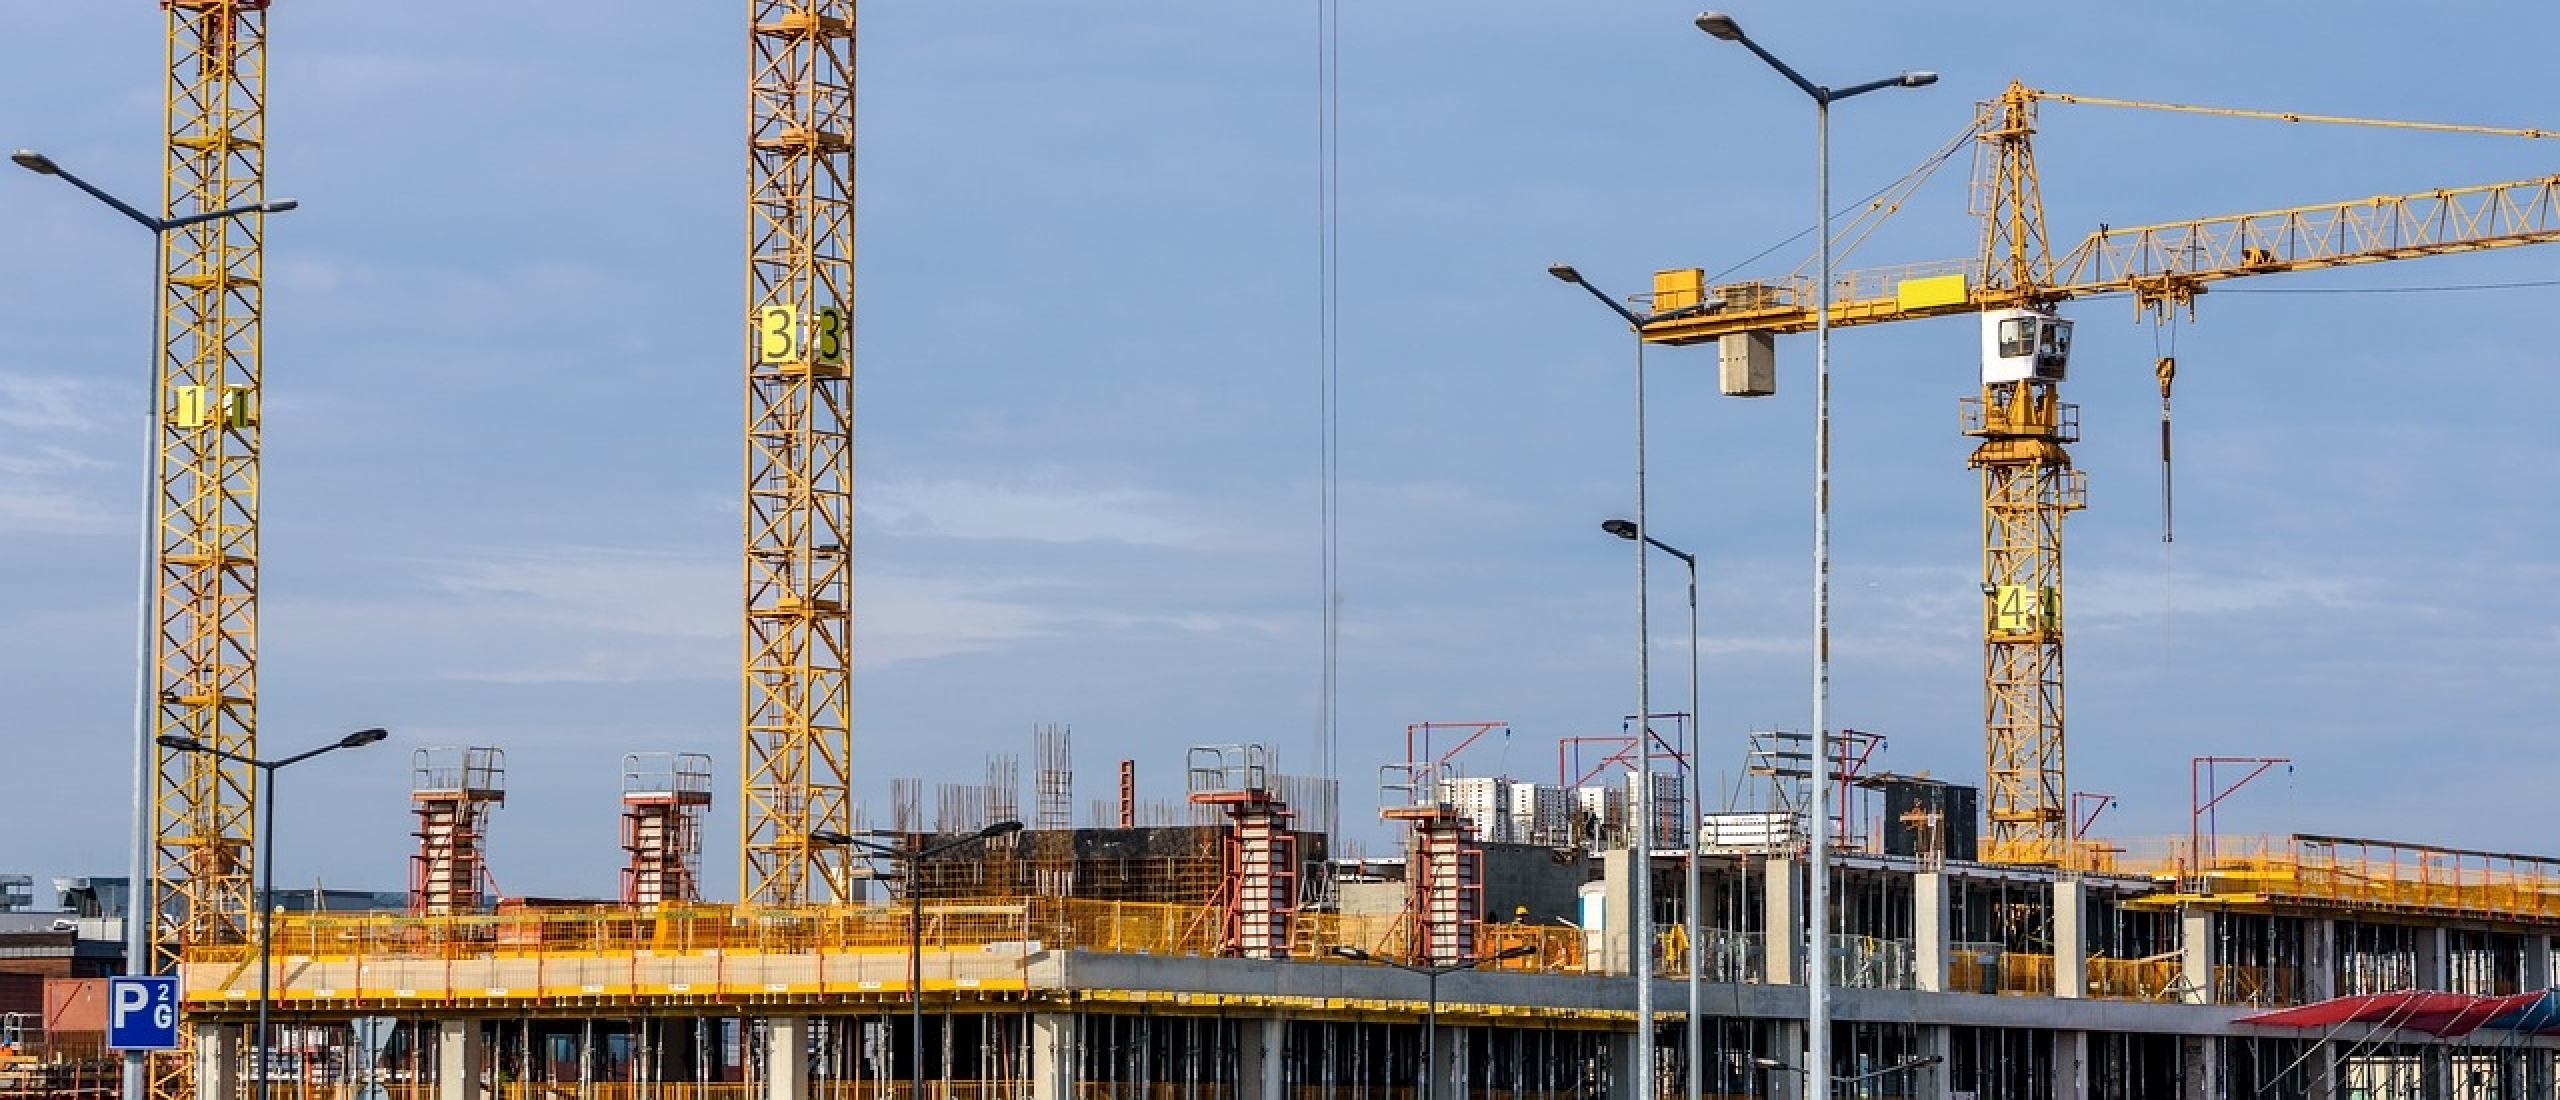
2015 285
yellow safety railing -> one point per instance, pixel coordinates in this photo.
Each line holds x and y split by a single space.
2134 979
1027 923
2355 872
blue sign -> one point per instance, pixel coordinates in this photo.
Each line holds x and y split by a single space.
142 1013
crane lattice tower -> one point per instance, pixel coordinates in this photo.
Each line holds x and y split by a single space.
797 728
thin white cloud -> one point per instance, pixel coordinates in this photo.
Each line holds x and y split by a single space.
978 510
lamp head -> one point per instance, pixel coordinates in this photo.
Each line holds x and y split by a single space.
1516 951
1565 272
279 206
361 738
1624 529
180 742
998 829
1352 953
1720 26
1919 78
829 838
36 162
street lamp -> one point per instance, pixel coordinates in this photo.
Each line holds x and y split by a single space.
266 799
138 897
1818 1016
1640 869
1697 802
1431 986
914 856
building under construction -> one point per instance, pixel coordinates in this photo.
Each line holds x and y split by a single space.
1221 948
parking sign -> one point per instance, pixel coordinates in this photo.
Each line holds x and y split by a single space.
142 1013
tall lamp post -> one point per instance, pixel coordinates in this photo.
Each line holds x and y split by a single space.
1640 868
1818 1016
1697 803
1431 986
138 897
267 770
914 855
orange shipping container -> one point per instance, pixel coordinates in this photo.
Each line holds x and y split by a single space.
75 1005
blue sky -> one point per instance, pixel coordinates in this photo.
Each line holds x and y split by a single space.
503 408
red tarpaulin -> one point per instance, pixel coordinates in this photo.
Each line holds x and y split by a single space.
2443 1015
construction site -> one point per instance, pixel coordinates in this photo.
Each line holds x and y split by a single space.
1980 938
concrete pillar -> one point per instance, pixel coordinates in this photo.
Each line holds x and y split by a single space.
2324 1069
1932 1082
1623 1071
2537 962
2070 1064
1782 924
2203 1058
217 1061
786 1058
2319 959
1929 926
1788 1084
1446 1061
2431 959
1053 1057
2070 946
2195 955
1617 899
462 1056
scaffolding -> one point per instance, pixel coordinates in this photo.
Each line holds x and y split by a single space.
453 790
664 799
1053 785
1258 874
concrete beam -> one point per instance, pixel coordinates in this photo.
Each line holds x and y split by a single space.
461 1057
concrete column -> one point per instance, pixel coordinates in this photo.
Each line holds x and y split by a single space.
1782 924
2319 959
462 1056
217 1061
2324 1069
1623 1071
2195 953
1788 1084
786 1058
2070 947
2431 959
1617 899
2203 1057
1929 931
1446 1061
2070 1064
2537 962
1932 1082
1053 1057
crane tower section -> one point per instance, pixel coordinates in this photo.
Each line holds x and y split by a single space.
797 722
205 554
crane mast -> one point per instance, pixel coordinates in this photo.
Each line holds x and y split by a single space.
204 594
797 669
205 597
2028 488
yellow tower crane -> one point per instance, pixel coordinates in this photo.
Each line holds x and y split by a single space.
204 599
797 728
2015 286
